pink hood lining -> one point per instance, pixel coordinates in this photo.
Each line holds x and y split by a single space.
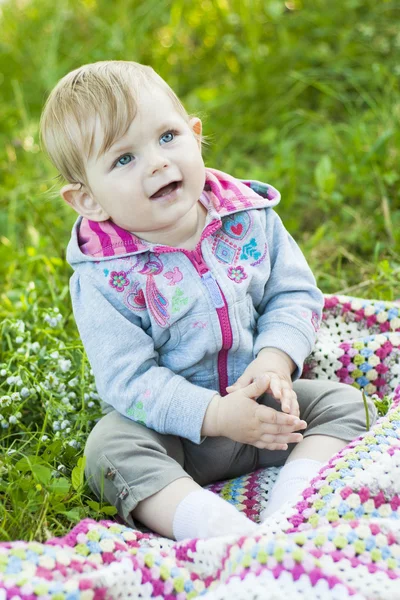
226 195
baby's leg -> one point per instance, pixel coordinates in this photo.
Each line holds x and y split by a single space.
141 473
335 415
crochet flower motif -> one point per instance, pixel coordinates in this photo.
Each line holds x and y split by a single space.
237 274
118 280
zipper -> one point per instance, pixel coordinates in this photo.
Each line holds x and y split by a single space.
221 306
218 299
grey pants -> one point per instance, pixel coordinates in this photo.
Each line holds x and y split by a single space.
126 462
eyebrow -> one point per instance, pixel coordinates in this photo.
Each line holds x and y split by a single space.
116 150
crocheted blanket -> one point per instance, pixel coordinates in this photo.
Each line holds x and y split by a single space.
341 539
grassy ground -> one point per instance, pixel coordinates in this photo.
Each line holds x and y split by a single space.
303 95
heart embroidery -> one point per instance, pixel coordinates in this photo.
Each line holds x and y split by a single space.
236 226
135 299
237 229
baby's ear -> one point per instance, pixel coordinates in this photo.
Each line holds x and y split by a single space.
83 202
197 127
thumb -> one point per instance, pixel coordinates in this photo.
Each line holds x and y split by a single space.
257 387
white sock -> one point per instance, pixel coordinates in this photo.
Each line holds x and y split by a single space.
293 479
202 514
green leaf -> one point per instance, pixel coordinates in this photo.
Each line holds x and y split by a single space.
27 462
52 451
94 505
75 514
109 510
60 486
78 473
42 473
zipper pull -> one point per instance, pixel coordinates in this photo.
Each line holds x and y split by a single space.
213 289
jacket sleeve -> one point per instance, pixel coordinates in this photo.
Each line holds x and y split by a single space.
126 370
291 308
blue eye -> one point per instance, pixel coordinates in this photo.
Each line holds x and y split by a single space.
124 160
167 137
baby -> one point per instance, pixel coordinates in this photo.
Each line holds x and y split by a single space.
195 306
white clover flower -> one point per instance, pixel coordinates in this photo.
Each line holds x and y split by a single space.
19 339
3 372
19 326
72 382
21 351
94 395
30 286
65 365
54 354
72 395
64 424
13 419
4 424
18 382
10 380
5 400
25 392
52 380
68 430
35 347
56 426
90 404
86 397
73 444
62 468
15 397
44 438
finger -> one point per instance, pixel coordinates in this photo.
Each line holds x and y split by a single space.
278 429
273 446
257 387
275 417
284 438
294 407
276 386
288 395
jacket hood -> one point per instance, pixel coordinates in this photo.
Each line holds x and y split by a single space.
224 195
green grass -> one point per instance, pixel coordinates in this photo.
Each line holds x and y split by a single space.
306 99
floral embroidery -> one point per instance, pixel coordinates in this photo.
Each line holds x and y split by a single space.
137 413
174 276
178 300
237 274
157 303
250 250
118 280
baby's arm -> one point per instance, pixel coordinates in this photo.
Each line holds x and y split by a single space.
291 308
126 369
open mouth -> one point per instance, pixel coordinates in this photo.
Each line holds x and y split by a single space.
166 189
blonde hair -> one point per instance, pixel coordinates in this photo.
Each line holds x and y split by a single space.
106 90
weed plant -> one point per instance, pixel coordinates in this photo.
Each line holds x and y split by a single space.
303 95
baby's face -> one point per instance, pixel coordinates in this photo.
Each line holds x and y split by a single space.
152 177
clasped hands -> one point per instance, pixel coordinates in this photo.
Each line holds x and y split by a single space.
239 417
